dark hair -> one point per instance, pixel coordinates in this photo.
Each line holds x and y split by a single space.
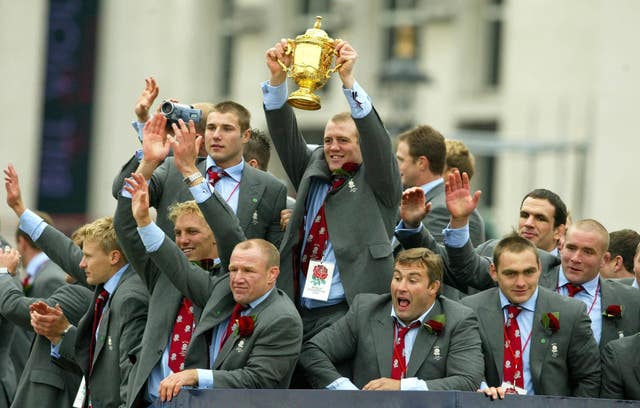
258 148
624 243
513 243
560 213
428 142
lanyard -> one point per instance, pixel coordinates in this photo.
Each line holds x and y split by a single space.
595 298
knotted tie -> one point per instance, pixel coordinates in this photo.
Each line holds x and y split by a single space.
215 176
398 360
513 348
318 233
181 336
235 315
101 300
573 289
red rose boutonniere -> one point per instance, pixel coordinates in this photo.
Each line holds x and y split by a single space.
340 176
613 312
551 321
244 326
435 325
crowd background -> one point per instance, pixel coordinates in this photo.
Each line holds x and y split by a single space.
543 92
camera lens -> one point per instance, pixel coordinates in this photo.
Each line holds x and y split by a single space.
167 107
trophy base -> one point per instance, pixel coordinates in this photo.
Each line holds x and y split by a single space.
304 99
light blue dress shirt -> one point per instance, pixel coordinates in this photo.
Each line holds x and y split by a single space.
591 296
228 187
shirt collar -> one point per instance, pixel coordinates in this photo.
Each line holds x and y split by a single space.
35 263
431 185
112 283
635 283
420 319
590 286
255 303
235 172
529 305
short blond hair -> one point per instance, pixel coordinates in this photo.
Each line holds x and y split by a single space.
271 253
459 157
103 232
186 207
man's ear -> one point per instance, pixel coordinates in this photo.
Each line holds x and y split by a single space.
253 163
493 272
115 256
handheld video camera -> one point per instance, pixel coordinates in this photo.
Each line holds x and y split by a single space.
174 111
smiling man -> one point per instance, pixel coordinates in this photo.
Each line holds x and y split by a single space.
614 308
410 339
348 194
534 342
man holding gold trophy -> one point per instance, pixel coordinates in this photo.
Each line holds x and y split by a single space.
337 243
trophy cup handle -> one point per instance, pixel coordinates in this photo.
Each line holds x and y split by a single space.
337 67
291 45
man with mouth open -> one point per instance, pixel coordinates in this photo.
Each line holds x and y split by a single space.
410 339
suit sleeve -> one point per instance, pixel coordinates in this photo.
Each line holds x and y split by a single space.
612 382
273 355
583 358
14 305
465 362
335 344
192 281
275 232
126 170
63 251
468 268
289 142
382 172
132 245
224 224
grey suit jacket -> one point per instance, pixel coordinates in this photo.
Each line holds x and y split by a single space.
8 375
266 358
451 360
360 218
43 383
118 341
613 293
621 369
439 216
165 298
261 198
571 368
49 278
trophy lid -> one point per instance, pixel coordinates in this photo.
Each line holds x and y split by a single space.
317 31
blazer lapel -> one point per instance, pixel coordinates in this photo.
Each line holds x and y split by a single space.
424 343
382 332
492 319
249 196
541 338
103 331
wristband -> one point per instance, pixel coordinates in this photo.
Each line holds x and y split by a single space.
190 179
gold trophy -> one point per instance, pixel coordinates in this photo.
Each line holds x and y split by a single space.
313 54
